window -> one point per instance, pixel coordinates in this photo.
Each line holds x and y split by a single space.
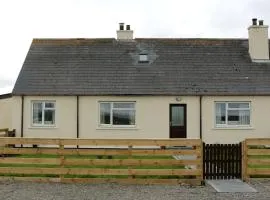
43 113
117 113
232 114
143 58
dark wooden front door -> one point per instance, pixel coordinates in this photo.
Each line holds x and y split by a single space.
178 121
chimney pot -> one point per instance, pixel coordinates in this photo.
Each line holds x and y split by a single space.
254 21
260 22
121 26
128 27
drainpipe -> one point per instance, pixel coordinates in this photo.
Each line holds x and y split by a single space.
22 114
22 118
78 135
200 117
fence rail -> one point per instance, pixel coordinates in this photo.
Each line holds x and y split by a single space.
102 142
256 158
109 160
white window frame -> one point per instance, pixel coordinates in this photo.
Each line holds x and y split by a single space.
111 125
43 111
226 125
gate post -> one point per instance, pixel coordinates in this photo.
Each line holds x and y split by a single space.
202 162
244 161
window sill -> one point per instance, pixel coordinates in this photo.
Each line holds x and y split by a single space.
234 128
42 127
116 128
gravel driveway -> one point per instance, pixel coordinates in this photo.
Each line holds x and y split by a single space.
44 191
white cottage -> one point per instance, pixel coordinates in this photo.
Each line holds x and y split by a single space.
214 89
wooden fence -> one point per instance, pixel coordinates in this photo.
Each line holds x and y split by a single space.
143 161
256 159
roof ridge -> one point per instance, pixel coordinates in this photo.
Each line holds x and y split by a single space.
71 41
191 38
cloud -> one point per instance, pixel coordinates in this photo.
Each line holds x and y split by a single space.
231 18
5 90
6 82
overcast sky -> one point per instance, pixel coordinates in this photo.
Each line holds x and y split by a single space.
23 20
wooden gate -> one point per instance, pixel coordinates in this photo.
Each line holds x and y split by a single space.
222 161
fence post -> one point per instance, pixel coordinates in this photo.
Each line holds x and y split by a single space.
244 161
130 175
202 162
62 160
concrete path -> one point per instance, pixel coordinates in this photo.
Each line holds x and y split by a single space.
232 185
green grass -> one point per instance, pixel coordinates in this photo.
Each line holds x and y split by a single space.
96 176
260 176
37 156
91 166
259 166
29 165
259 156
91 156
126 176
262 157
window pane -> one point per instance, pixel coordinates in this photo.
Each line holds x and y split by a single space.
49 105
123 117
238 105
37 113
124 105
244 117
177 116
233 117
220 113
105 112
143 57
236 117
49 117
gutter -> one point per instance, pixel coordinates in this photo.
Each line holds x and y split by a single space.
5 96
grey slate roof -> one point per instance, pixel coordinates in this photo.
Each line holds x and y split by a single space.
110 67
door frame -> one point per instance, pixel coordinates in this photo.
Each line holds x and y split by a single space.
170 116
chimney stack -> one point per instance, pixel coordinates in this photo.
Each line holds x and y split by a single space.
258 41
122 34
